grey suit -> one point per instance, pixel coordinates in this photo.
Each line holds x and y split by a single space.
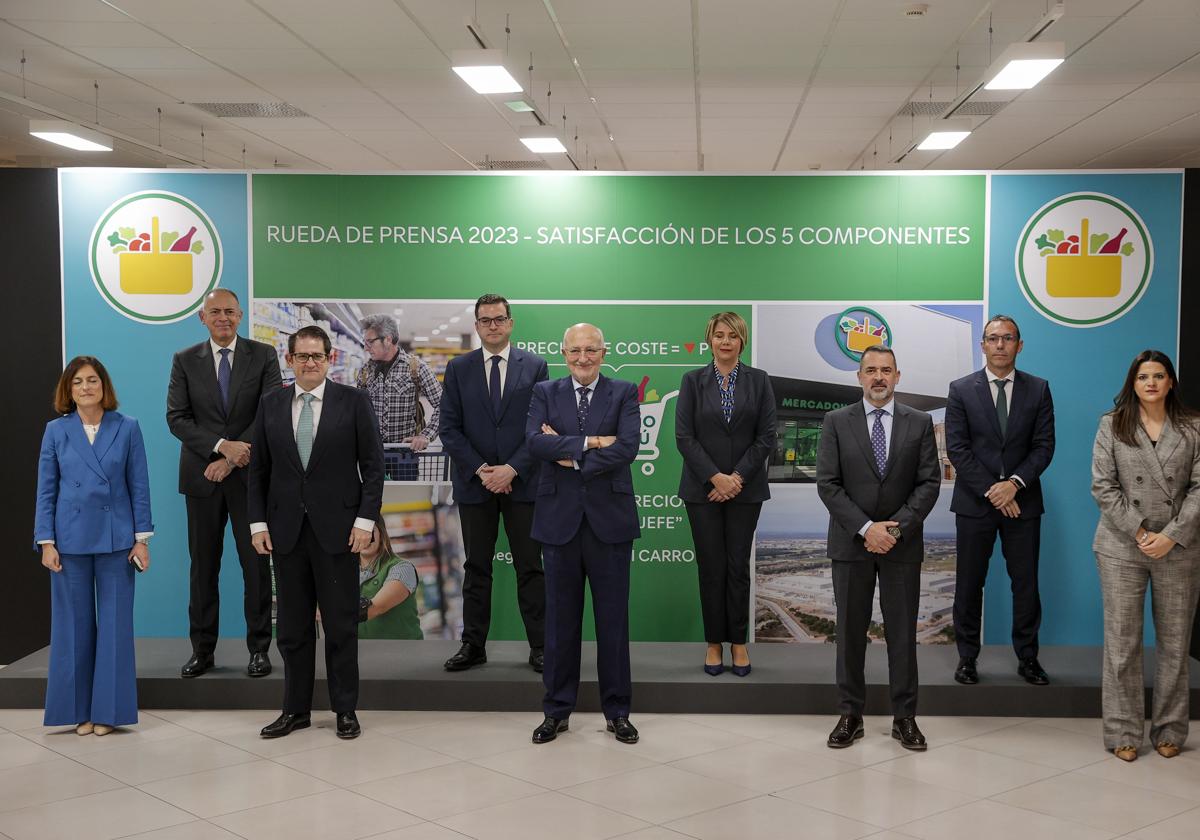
854 492
1156 487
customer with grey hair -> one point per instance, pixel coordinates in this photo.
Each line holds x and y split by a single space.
395 381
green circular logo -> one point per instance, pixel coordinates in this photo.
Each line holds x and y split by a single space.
858 328
154 255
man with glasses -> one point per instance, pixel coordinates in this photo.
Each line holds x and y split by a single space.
485 402
1000 439
395 381
585 429
316 486
214 393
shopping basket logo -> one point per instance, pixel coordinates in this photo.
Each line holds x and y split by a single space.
1084 259
154 256
652 411
858 328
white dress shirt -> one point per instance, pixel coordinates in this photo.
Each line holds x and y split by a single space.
487 367
1008 394
298 404
216 351
889 411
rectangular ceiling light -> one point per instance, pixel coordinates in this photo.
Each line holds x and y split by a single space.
484 71
542 140
70 135
1021 66
943 135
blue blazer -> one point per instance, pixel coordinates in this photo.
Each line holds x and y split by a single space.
473 434
92 497
602 487
981 457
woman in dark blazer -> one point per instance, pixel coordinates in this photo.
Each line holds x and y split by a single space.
93 528
725 429
1146 480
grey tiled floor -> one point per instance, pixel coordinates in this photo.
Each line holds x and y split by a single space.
202 775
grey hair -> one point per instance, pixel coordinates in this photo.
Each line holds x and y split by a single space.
582 326
385 326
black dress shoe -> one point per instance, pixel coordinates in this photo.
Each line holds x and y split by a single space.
906 731
468 656
285 724
848 730
966 672
259 666
197 665
549 729
347 726
1032 671
537 659
625 731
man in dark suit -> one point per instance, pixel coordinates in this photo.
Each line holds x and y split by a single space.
316 486
878 474
214 393
585 429
485 400
1000 439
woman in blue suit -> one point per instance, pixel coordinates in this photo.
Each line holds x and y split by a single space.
93 528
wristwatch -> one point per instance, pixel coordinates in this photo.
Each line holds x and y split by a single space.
894 530
142 540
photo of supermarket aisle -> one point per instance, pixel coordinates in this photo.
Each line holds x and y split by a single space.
432 332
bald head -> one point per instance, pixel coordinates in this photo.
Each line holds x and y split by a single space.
221 314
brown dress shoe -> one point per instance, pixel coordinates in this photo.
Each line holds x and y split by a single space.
1126 753
1166 749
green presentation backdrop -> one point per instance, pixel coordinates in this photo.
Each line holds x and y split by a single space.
880 237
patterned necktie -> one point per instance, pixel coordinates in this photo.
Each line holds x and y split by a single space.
1002 405
879 440
223 372
304 429
582 410
494 384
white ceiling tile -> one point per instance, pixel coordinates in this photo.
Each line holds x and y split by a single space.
139 58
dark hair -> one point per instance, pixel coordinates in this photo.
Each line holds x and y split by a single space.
385 542
311 331
878 348
63 403
1125 414
488 300
1001 317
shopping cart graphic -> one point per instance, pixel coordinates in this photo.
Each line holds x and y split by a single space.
400 463
652 417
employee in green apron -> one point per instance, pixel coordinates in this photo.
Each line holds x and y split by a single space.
387 608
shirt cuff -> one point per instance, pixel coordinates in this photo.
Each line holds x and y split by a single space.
143 535
862 532
217 448
258 528
363 524
1018 479
45 542
480 467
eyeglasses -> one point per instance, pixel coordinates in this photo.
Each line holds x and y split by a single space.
368 342
1007 338
305 358
498 321
582 351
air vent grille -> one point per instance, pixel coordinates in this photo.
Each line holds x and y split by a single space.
512 164
248 110
930 108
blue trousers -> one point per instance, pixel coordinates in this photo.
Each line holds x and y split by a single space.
605 568
92 674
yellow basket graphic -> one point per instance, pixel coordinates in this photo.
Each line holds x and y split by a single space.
859 341
1083 275
155 272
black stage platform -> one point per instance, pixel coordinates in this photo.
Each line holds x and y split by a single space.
787 679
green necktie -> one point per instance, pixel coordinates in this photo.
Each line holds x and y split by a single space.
1002 405
304 429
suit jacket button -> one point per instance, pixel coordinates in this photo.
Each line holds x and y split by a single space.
1138 479
1170 478
1137 502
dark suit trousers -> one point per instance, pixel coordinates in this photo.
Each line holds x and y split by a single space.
605 566
307 578
207 517
1019 540
480 524
899 595
723 533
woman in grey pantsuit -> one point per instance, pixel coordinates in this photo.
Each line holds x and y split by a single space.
1146 480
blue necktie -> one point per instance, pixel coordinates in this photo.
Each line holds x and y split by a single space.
494 385
582 411
223 373
879 441
304 429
